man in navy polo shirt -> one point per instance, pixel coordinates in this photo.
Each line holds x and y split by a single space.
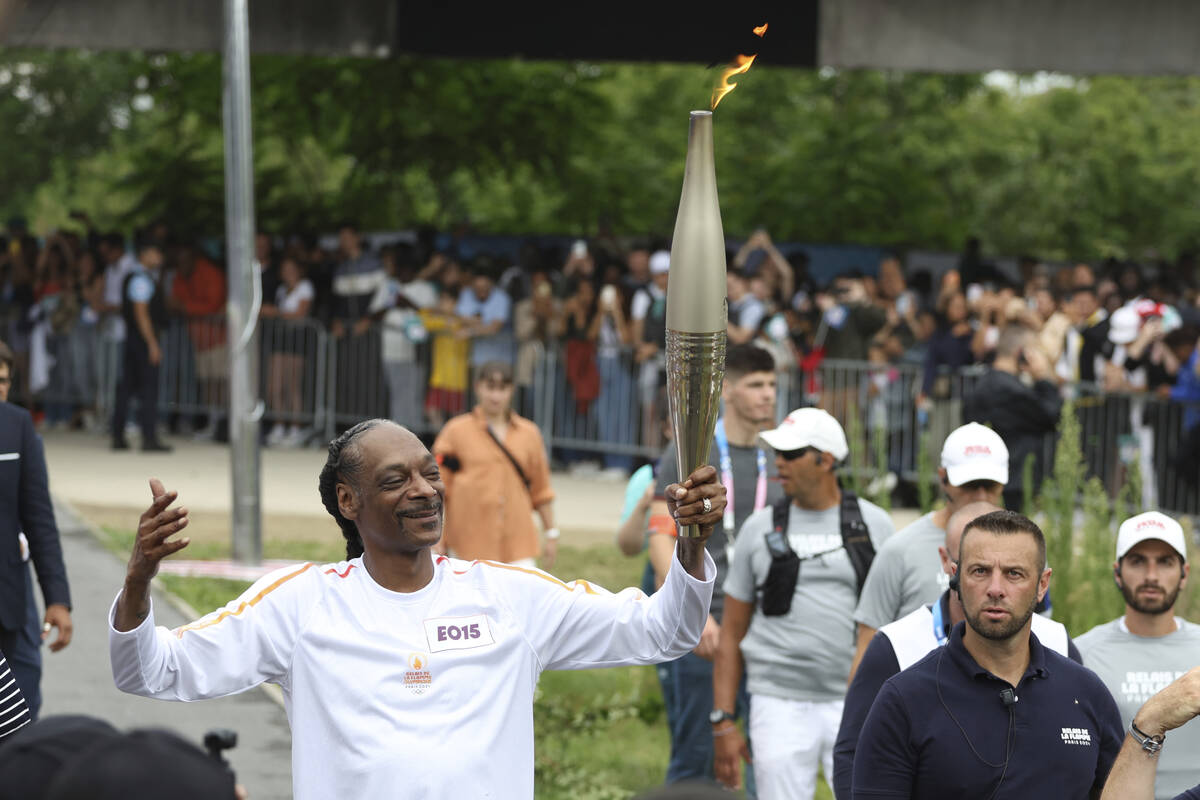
993 714
900 644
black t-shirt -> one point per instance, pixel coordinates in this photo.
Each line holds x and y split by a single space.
745 483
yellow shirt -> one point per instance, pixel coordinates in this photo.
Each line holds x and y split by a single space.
450 360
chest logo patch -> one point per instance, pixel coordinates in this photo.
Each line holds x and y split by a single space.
458 633
1077 736
417 678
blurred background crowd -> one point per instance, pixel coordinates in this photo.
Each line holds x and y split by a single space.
357 324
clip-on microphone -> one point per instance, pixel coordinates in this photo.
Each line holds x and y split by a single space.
1008 697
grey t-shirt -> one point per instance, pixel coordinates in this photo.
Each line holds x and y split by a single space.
745 485
906 574
1134 668
806 653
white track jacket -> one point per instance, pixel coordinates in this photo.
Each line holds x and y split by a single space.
421 695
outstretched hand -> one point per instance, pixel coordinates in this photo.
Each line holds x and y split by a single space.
152 544
155 527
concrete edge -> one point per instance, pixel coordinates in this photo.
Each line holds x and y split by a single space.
157 591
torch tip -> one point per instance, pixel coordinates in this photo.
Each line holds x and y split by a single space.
701 113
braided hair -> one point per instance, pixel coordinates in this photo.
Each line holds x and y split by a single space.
343 465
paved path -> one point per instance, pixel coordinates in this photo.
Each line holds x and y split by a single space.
79 679
85 472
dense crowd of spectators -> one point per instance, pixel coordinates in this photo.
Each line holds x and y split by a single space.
424 308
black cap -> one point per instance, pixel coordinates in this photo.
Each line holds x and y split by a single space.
144 764
34 755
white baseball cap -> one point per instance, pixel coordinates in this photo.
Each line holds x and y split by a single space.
660 262
1150 525
1123 325
809 427
974 452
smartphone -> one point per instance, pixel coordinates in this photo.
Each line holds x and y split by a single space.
579 249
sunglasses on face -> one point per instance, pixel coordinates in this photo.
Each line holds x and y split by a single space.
792 455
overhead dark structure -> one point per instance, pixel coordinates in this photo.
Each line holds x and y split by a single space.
1074 36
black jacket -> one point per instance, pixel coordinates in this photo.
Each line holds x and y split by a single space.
25 506
1022 415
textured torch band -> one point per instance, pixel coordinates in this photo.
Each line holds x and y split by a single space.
695 370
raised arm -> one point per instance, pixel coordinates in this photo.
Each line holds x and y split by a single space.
152 544
579 626
247 642
1132 775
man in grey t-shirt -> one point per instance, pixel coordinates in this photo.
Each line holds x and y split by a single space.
749 479
796 662
1140 653
907 572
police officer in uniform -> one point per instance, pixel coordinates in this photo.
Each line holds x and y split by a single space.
143 307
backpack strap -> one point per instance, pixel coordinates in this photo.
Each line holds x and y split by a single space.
856 538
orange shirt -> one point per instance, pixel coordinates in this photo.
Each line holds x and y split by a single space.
202 295
489 512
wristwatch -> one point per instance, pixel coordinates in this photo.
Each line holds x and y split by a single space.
719 715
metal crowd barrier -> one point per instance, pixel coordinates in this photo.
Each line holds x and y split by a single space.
613 411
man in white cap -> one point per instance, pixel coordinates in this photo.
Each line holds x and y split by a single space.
908 572
1141 652
797 568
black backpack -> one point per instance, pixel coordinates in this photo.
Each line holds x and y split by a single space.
780 586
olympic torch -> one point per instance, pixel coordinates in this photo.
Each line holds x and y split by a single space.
696 306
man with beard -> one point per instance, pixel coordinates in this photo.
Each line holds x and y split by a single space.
405 674
993 714
902 643
1140 653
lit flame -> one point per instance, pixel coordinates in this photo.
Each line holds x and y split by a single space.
725 87
739 66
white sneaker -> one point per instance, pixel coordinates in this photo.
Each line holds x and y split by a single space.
207 433
614 474
275 437
296 437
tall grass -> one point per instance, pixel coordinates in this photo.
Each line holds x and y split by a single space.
1080 520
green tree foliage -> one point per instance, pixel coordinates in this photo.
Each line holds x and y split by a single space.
1099 167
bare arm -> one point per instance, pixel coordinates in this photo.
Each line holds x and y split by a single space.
141 315
865 634
728 744
631 536
740 335
1132 775
662 540
550 547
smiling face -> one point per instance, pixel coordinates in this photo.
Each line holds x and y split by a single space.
1002 581
1151 576
398 496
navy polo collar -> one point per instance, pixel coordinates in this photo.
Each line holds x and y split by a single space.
962 658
